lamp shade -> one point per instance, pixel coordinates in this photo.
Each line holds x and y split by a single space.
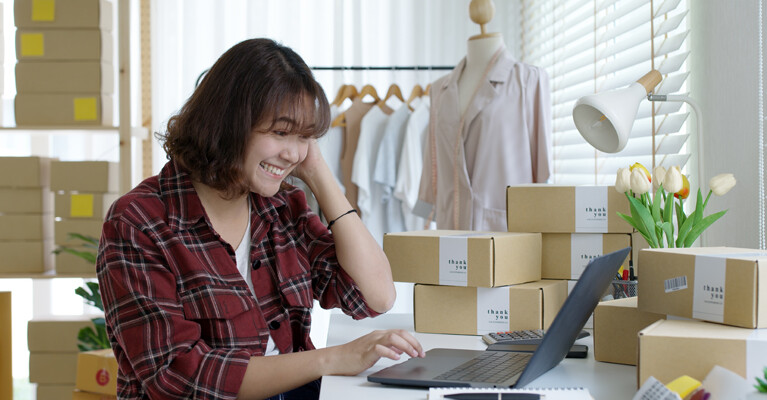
605 119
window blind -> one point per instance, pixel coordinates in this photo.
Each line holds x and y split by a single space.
590 46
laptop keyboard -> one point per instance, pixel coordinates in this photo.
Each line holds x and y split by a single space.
490 366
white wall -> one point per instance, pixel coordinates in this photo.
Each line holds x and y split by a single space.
725 64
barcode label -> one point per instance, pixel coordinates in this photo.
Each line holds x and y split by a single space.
674 284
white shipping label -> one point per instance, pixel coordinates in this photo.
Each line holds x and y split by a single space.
492 310
708 292
583 248
756 354
591 209
453 260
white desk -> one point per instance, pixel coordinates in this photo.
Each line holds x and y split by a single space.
604 380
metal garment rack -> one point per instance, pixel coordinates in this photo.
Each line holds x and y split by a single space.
389 68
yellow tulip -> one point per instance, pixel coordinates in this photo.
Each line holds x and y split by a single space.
642 169
685 190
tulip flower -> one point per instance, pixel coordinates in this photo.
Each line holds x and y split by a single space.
659 174
721 184
673 181
685 190
640 183
643 170
623 180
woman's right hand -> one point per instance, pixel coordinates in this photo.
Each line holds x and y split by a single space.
362 353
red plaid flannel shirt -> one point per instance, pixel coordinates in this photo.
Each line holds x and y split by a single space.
180 317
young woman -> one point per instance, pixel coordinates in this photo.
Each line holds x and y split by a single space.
208 270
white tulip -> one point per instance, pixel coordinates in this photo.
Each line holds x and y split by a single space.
659 173
623 180
639 182
673 181
722 184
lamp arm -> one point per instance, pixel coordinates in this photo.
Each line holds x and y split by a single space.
698 121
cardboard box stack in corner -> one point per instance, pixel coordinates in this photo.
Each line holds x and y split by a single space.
96 375
496 274
577 223
84 192
26 215
64 73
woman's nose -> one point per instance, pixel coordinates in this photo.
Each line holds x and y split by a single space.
291 152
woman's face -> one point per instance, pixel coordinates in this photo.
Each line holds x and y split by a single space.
272 154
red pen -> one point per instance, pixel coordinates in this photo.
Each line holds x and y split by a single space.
625 274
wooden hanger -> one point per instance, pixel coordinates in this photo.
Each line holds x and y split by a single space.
395 91
369 90
414 94
426 90
344 92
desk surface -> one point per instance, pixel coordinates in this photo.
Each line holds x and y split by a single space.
604 380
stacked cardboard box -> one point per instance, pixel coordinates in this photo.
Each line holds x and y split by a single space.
6 375
495 274
64 73
96 375
53 354
26 215
577 224
84 192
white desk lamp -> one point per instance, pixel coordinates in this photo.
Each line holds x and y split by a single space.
605 119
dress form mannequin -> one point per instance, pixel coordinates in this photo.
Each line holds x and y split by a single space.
479 51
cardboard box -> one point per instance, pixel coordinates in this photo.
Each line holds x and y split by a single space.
26 201
26 257
97 372
63 14
78 395
79 205
70 264
566 209
57 334
64 77
718 284
616 326
464 258
85 176
6 359
34 227
671 348
64 44
53 368
638 243
477 311
69 109
28 172
89 227
565 255
54 392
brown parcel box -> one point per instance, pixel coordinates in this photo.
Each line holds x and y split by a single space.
565 255
88 227
477 259
63 14
53 368
616 325
25 257
83 205
6 364
26 226
70 264
78 395
85 176
477 311
671 348
54 392
28 172
566 209
26 200
63 77
56 334
71 109
64 44
97 372
718 284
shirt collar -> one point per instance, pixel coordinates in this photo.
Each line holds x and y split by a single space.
498 72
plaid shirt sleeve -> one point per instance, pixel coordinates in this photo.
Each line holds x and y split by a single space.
160 352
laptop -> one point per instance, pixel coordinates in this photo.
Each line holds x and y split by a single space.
477 368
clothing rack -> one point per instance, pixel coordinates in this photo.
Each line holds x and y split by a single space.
390 68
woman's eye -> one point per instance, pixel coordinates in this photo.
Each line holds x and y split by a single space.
280 133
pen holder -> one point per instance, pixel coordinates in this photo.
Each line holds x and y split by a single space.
622 289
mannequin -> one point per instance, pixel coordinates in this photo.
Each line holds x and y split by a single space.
480 50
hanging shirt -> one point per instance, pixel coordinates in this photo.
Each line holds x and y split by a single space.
505 139
385 171
353 117
331 146
411 164
370 193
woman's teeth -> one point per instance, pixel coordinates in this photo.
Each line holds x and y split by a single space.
272 169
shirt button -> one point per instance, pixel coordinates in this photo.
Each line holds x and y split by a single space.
256 265
274 325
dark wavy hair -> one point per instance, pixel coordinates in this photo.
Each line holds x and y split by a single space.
254 81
